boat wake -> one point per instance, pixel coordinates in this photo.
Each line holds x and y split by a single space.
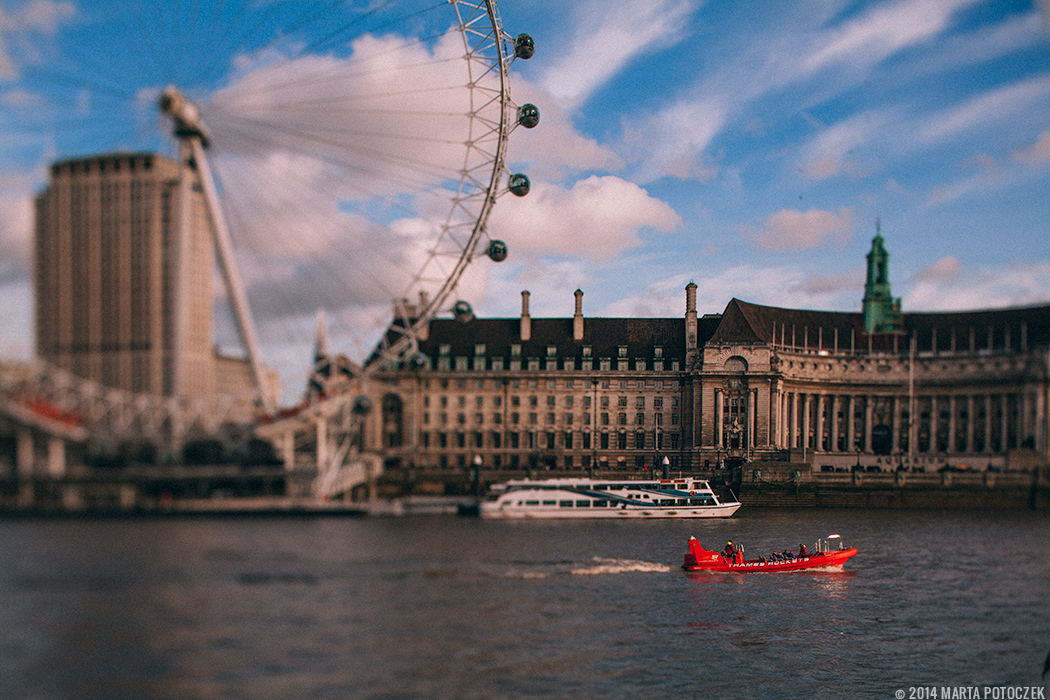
620 566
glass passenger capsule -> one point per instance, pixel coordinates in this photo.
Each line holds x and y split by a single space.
462 311
497 250
524 46
519 184
528 115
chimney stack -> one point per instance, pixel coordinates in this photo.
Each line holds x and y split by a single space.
690 323
526 322
577 319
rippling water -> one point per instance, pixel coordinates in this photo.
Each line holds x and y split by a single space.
443 607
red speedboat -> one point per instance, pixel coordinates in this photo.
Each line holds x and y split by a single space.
824 559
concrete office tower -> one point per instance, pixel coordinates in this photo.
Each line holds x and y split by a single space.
108 278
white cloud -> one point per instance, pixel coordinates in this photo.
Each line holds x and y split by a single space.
37 17
994 106
1036 153
672 142
597 219
608 34
948 285
789 229
834 150
555 147
881 32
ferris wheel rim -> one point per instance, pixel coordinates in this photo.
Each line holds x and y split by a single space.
407 330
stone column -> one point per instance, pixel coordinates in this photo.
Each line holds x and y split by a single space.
718 418
851 424
833 402
56 457
793 437
987 422
934 419
750 422
805 421
951 423
970 418
896 428
869 417
24 456
818 437
1005 442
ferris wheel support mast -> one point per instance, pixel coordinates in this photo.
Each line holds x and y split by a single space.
195 138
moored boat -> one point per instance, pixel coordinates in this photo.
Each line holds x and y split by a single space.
607 498
823 559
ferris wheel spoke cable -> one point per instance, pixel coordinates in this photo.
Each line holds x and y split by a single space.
398 180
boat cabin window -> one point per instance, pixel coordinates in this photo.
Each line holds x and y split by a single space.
583 504
565 504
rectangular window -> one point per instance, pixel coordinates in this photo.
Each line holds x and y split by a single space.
659 417
639 419
674 441
479 349
515 418
497 418
461 440
621 441
533 419
586 401
621 419
605 402
605 419
479 418
605 441
585 440
568 419
639 402
497 440
552 351
550 440
568 440
658 402
515 440
552 401
479 439
622 351
551 418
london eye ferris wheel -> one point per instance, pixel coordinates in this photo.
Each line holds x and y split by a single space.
350 153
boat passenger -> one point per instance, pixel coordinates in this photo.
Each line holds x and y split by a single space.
801 549
728 551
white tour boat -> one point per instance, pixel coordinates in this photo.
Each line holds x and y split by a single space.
614 498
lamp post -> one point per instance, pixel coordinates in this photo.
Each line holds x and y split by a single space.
476 477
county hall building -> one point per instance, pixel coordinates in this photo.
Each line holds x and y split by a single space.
880 388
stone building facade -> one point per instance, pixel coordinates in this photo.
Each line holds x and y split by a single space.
923 391
123 290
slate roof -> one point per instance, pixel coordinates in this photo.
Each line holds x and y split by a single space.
743 322
603 335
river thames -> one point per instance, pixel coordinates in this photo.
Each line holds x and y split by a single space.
457 608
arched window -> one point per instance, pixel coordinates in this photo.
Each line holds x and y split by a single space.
736 364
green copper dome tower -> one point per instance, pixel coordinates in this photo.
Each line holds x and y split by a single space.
882 313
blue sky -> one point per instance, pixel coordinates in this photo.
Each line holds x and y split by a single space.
746 147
